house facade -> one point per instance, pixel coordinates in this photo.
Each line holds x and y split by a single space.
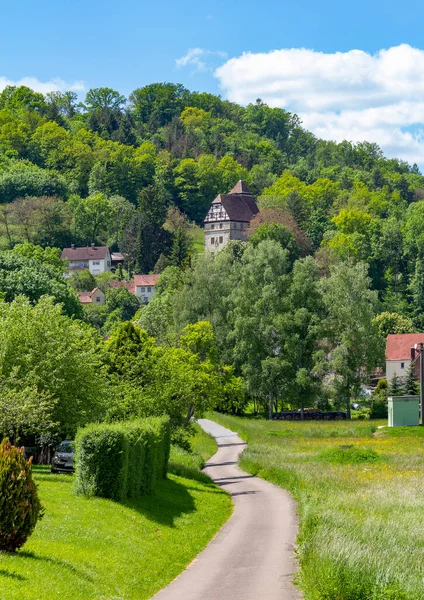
142 286
96 259
145 287
229 217
96 296
399 352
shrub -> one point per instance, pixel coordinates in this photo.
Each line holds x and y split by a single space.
122 460
20 507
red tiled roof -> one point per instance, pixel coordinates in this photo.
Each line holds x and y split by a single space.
145 279
87 297
128 284
398 345
85 253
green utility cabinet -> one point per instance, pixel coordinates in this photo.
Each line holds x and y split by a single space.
404 410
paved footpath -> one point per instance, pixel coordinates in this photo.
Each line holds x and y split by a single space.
251 557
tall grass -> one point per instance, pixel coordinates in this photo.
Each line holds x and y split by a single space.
360 494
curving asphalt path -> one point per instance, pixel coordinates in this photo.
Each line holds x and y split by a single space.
251 557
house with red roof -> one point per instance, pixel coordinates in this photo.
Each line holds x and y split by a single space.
142 286
400 349
229 217
94 297
96 259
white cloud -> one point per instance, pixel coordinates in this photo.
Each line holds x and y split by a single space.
346 95
199 58
54 85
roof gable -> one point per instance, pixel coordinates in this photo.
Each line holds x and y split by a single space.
398 346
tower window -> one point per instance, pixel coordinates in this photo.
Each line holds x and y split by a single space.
212 240
221 239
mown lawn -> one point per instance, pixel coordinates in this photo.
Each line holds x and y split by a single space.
360 494
98 549
198 240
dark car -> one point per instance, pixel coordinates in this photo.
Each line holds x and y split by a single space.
63 459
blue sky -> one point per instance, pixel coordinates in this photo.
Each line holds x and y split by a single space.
130 44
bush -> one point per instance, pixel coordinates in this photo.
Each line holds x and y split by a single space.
122 460
20 508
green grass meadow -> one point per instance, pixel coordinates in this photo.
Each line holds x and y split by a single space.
98 549
360 494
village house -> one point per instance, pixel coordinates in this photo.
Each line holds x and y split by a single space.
96 259
94 297
229 217
142 286
399 351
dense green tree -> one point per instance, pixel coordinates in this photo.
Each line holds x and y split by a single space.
82 281
55 357
120 298
355 348
104 98
92 217
23 276
388 322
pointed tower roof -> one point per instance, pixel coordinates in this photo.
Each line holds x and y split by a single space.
240 188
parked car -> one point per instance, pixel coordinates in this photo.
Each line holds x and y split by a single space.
63 459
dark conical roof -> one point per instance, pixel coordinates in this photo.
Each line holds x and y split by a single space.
240 188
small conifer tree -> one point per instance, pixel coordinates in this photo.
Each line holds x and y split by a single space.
395 388
411 387
20 507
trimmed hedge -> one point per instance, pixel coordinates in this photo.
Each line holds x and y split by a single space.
122 460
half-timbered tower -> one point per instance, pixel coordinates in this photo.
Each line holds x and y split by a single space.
229 217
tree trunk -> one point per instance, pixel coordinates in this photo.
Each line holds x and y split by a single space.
271 407
190 413
348 406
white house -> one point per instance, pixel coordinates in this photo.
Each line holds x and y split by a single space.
228 217
94 297
96 259
398 353
143 286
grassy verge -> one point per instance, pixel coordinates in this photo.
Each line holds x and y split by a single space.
360 493
97 549
188 464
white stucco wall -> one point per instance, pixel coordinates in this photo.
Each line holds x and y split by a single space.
145 292
217 235
97 266
395 367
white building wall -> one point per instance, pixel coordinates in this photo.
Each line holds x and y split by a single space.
97 266
145 292
217 235
398 367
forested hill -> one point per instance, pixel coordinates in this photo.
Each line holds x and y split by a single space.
106 171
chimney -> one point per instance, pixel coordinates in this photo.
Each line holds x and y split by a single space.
73 246
92 244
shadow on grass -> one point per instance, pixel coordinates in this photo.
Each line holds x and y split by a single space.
169 501
53 561
4 573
